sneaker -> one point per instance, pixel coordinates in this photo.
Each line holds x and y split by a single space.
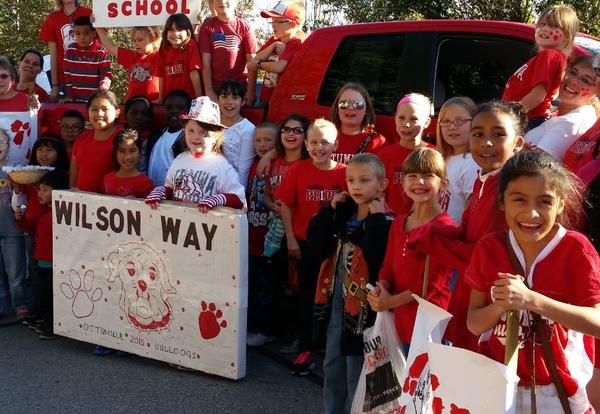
22 314
258 339
291 348
303 364
47 335
30 320
102 351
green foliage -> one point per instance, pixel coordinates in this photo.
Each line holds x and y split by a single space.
20 22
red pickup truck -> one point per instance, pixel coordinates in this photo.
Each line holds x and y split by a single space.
440 58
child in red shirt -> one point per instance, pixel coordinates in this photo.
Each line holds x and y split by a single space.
227 44
141 62
273 57
412 118
180 60
127 180
548 274
353 114
308 186
42 252
259 286
91 158
535 84
405 265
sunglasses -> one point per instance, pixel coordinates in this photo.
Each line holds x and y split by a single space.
4 76
347 103
457 122
295 130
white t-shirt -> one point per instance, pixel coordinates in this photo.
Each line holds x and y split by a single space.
557 134
193 179
462 172
238 148
162 157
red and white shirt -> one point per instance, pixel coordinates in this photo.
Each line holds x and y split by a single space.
87 70
566 270
580 152
175 68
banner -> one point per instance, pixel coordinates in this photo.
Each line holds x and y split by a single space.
129 13
21 128
168 284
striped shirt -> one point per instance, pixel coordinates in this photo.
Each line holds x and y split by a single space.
87 70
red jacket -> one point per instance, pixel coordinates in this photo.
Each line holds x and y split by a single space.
34 209
43 236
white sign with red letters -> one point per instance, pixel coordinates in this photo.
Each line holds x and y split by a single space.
168 284
129 13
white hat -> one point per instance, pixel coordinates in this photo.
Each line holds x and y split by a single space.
206 112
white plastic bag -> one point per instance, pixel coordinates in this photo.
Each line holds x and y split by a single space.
379 389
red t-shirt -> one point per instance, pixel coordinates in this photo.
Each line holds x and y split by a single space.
42 249
393 157
94 159
143 73
37 89
175 68
18 103
547 66
348 145
271 78
138 186
403 268
580 153
257 211
279 169
566 270
58 28
228 43
305 189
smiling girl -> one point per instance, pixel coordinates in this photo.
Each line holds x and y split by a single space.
31 64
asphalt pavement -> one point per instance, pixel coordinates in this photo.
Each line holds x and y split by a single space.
63 376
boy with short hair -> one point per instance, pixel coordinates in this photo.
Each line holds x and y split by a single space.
273 57
260 292
42 251
308 186
72 124
227 45
350 237
86 63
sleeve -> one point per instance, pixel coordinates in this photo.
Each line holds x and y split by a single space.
249 40
584 282
320 233
473 275
195 63
106 184
445 242
47 33
205 38
548 68
229 183
126 58
468 177
247 153
560 136
387 268
286 192
374 243
146 186
104 71
170 178
290 49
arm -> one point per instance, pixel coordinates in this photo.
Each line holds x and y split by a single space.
270 203
207 77
275 67
292 243
106 41
247 155
195 78
105 73
535 96
54 70
264 165
73 171
252 76
482 316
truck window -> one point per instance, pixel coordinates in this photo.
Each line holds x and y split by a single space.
372 60
477 65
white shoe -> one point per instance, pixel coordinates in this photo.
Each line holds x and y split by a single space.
258 339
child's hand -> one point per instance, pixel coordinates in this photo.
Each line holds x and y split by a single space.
34 102
339 198
213 96
156 196
510 293
277 208
293 248
278 47
19 215
377 205
379 298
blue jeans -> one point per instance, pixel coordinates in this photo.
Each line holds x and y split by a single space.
341 371
13 273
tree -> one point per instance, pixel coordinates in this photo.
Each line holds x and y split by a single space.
20 22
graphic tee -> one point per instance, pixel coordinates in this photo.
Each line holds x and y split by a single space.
175 68
142 71
348 145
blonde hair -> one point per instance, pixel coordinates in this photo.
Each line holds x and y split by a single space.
565 18
324 126
151 32
59 6
422 102
464 102
425 160
370 159
218 145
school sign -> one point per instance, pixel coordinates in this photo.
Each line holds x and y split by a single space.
168 284
129 13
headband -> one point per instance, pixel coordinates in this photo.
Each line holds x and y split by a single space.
412 100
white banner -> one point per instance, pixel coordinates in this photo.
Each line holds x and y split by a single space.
129 13
168 284
21 128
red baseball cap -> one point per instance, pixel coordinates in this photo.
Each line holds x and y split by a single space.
292 10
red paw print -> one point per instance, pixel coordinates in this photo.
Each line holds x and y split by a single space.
20 129
208 322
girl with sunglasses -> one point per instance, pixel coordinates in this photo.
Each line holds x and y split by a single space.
353 115
577 111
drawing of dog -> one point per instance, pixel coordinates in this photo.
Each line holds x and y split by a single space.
145 286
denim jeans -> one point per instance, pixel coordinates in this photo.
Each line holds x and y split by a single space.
13 273
341 371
